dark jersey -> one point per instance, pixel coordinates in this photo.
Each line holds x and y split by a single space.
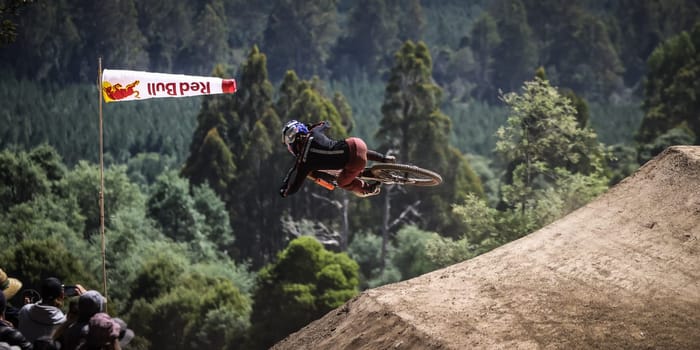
315 151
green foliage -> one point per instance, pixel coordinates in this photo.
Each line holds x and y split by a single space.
622 162
639 26
303 284
172 207
456 71
418 132
299 36
211 164
448 21
49 216
198 312
216 226
588 46
410 256
615 124
310 107
575 47
38 209
681 135
45 237
22 179
129 243
390 274
516 56
8 13
554 166
209 44
83 182
158 275
97 35
443 251
366 250
484 169
364 95
670 92
583 114
49 213
65 117
31 261
374 30
484 40
166 42
479 219
542 133
144 168
248 127
474 126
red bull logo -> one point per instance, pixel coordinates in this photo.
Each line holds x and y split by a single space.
116 92
179 89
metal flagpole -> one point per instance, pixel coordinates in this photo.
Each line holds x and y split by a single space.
102 185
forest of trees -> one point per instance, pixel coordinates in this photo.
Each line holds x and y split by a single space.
527 108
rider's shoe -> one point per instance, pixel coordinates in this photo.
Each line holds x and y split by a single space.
371 190
389 159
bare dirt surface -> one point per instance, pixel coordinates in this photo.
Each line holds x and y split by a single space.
623 272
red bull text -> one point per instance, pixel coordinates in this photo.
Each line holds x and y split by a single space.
178 89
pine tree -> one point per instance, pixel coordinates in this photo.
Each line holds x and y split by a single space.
210 159
165 41
516 56
414 127
372 32
209 44
543 143
299 36
253 130
212 164
671 90
484 41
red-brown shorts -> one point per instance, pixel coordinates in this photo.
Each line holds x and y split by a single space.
347 179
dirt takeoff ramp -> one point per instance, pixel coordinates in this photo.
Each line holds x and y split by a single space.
623 272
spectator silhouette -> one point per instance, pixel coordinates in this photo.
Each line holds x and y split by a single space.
6 346
103 333
46 343
8 333
125 334
10 287
89 303
42 318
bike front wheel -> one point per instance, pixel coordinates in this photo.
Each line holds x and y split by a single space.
404 174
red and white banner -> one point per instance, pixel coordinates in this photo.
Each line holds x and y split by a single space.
129 85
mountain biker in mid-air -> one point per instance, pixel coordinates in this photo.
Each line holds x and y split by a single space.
316 151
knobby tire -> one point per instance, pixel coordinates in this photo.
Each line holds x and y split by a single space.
405 174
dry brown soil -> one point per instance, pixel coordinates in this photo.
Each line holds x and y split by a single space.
623 272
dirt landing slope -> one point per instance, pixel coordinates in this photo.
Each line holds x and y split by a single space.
623 272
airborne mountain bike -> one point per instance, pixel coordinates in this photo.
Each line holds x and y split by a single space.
386 173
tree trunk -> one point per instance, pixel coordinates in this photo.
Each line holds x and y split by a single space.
385 225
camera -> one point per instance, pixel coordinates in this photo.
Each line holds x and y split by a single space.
70 291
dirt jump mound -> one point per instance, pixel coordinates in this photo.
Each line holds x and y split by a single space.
622 272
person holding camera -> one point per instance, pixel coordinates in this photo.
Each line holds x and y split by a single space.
42 318
74 332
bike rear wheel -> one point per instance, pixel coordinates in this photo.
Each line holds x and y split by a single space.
404 174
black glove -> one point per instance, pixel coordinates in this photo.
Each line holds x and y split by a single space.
322 125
